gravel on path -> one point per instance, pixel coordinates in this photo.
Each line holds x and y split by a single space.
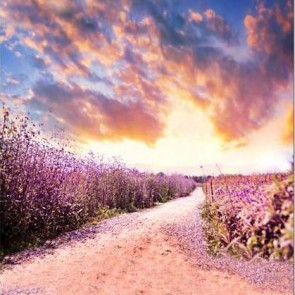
155 251
272 275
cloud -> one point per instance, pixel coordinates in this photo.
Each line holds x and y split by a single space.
66 35
288 134
270 31
92 116
38 62
195 16
217 24
241 92
6 32
146 55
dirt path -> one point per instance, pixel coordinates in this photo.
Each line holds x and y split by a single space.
133 256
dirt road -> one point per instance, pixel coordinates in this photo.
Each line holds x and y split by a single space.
133 254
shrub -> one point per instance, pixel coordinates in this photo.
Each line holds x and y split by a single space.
251 216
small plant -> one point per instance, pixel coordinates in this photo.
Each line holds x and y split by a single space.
104 213
216 233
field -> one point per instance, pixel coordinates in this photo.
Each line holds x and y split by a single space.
46 190
251 215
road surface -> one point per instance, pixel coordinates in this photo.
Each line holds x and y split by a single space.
134 254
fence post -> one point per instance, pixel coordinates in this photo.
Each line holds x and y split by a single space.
211 187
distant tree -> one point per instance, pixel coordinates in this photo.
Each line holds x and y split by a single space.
161 174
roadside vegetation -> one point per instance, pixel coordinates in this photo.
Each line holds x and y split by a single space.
46 190
250 216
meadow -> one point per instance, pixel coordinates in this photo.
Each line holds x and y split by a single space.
46 190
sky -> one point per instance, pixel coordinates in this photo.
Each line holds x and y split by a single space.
164 85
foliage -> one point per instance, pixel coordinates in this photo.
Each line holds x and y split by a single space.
250 215
46 190
103 213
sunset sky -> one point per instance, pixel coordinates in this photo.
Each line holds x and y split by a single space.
164 85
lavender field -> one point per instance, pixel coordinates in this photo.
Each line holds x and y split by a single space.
45 190
251 216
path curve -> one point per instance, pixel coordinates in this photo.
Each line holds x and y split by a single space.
133 254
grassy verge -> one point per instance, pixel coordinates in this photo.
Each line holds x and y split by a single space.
99 215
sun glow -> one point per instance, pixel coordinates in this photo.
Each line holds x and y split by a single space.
189 142
188 139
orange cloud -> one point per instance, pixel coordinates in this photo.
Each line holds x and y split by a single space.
63 34
147 62
195 16
90 115
288 134
209 13
271 29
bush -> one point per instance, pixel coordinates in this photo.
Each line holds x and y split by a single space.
46 190
251 216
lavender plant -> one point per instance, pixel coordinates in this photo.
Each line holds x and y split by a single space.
46 190
251 215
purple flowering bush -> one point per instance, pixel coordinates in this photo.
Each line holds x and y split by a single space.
46 190
250 215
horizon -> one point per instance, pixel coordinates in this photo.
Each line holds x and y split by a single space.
166 87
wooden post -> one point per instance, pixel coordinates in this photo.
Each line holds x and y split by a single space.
211 187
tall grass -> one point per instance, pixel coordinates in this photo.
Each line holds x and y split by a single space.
46 190
251 215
